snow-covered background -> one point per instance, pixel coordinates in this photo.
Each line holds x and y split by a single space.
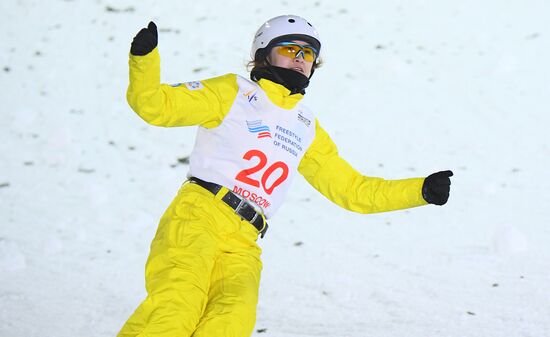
408 88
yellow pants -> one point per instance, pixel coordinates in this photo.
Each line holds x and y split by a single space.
203 272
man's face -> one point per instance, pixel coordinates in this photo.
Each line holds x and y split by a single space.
287 57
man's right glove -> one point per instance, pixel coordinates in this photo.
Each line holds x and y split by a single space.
145 41
436 187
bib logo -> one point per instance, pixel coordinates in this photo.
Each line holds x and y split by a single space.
263 131
304 120
251 95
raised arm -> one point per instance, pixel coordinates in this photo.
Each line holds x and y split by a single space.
202 103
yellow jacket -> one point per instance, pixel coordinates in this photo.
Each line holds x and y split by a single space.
168 106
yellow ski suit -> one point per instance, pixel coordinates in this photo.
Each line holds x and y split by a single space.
203 272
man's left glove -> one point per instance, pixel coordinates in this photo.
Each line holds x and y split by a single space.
145 41
436 187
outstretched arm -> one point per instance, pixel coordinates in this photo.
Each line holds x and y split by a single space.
331 175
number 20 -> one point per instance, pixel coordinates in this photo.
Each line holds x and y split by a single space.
244 175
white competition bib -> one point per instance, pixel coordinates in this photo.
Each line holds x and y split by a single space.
256 150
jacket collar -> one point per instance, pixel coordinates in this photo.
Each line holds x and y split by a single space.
279 95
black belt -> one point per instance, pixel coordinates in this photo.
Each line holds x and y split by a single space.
237 203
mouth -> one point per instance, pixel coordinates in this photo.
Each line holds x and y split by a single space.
300 70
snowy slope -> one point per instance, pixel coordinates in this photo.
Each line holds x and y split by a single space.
408 88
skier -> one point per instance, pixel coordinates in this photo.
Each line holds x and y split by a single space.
203 271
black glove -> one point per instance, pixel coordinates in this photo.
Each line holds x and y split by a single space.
145 41
436 187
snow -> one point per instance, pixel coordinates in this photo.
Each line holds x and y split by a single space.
408 88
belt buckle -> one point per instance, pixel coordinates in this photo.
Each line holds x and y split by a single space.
242 202
240 205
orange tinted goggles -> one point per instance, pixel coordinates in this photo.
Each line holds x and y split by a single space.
294 50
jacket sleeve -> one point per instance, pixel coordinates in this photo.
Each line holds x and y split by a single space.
204 104
331 175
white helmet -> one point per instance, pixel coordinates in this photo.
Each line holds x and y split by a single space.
284 28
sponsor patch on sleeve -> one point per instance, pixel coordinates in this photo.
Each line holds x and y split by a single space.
195 85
